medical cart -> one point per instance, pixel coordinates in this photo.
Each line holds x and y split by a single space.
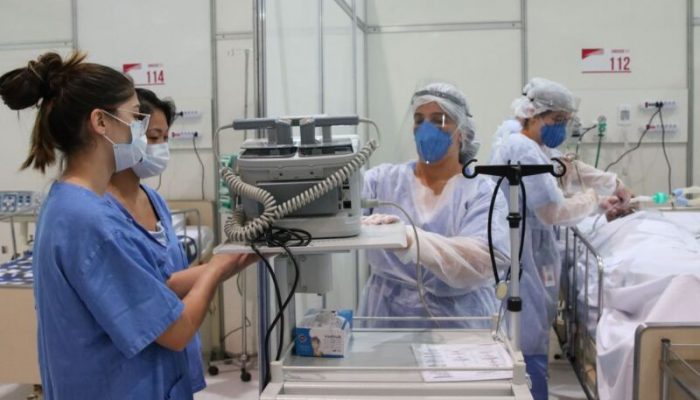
380 363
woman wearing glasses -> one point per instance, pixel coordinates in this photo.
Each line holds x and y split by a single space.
540 126
112 320
450 213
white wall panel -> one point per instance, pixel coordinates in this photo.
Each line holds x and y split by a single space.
231 60
643 170
485 65
179 38
234 16
656 36
595 103
292 75
339 82
185 53
419 12
35 21
653 31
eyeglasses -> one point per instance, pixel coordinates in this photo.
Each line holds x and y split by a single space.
559 118
144 119
137 115
437 119
141 120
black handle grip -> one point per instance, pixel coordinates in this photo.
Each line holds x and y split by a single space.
466 167
561 165
514 172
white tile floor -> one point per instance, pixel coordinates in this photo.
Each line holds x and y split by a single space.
15 392
563 385
225 386
228 385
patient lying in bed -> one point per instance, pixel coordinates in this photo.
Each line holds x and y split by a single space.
652 274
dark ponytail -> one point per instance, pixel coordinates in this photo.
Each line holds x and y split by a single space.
66 92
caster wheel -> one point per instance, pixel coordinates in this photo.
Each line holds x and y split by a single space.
245 376
213 370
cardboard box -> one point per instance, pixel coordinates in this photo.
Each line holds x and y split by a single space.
323 333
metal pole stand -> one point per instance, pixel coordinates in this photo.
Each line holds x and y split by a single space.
220 359
245 375
514 174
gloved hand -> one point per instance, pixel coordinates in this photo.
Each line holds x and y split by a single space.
623 193
380 219
609 202
571 181
615 208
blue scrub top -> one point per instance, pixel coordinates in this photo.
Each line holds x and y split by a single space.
101 302
176 261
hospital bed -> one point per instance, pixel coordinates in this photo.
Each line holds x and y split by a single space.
643 268
18 352
193 222
667 361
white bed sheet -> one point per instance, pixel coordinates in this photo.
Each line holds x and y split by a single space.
638 248
651 262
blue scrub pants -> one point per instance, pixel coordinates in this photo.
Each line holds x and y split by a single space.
536 367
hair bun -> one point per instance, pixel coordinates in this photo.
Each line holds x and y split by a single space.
24 87
49 68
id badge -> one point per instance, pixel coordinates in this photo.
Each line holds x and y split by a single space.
548 276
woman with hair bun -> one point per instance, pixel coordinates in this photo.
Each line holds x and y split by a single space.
112 320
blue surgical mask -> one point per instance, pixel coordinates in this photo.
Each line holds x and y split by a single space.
553 135
432 143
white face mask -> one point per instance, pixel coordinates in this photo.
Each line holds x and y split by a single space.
154 161
126 155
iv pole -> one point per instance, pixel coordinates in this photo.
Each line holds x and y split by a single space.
514 174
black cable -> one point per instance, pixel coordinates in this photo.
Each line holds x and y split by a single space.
522 230
290 296
278 297
160 179
639 143
280 237
196 152
663 147
488 230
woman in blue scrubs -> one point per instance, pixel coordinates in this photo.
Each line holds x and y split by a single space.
150 211
112 319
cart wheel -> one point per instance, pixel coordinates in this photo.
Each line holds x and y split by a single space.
245 375
213 370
